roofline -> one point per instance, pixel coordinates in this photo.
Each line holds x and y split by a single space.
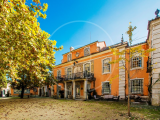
138 44
80 47
112 46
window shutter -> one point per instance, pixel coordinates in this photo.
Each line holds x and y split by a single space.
102 88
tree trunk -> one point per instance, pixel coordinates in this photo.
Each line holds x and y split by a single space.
22 92
129 85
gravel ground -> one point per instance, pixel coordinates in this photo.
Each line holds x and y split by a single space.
52 109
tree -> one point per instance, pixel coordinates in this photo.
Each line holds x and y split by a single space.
130 52
23 44
25 82
22 41
29 81
3 81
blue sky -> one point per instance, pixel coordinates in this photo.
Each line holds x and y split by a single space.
70 22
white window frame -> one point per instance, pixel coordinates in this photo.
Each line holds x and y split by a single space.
89 51
57 72
71 57
110 65
67 71
84 66
110 87
142 85
142 62
60 87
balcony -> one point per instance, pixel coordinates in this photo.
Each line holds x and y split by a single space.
149 65
75 76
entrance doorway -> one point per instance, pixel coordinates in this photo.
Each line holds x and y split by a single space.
77 91
40 92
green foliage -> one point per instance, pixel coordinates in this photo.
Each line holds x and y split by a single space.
3 80
24 46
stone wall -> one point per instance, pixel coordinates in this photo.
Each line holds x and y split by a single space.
154 37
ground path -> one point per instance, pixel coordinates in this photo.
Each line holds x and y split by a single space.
53 109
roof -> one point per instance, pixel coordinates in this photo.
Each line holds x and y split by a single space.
81 47
138 43
103 49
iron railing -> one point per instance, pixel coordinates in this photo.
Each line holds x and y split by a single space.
74 76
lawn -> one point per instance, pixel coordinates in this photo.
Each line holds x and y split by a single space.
53 109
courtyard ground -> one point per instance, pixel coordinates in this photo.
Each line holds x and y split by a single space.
53 109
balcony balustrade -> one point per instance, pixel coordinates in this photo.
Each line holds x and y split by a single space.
74 76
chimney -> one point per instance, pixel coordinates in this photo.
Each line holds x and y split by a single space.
71 48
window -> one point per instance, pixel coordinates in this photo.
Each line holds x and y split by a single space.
87 67
58 74
106 88
136 62
106 66
136 86
69 73
86 51
69 57
87 70
59 87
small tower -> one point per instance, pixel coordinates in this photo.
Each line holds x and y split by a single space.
122 39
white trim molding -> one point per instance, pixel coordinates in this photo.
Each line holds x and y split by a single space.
142 62
87 63
70 58
89 50
110 59
142 85
58 71
102 87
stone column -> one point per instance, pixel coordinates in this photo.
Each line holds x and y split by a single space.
122 76
74 91
65 88
57 91
85 89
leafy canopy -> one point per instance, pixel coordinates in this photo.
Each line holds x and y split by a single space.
23 43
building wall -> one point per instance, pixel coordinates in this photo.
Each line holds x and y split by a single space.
140 73
93 49
117 83
154 38
31 92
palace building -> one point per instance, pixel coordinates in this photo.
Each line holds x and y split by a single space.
88 68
